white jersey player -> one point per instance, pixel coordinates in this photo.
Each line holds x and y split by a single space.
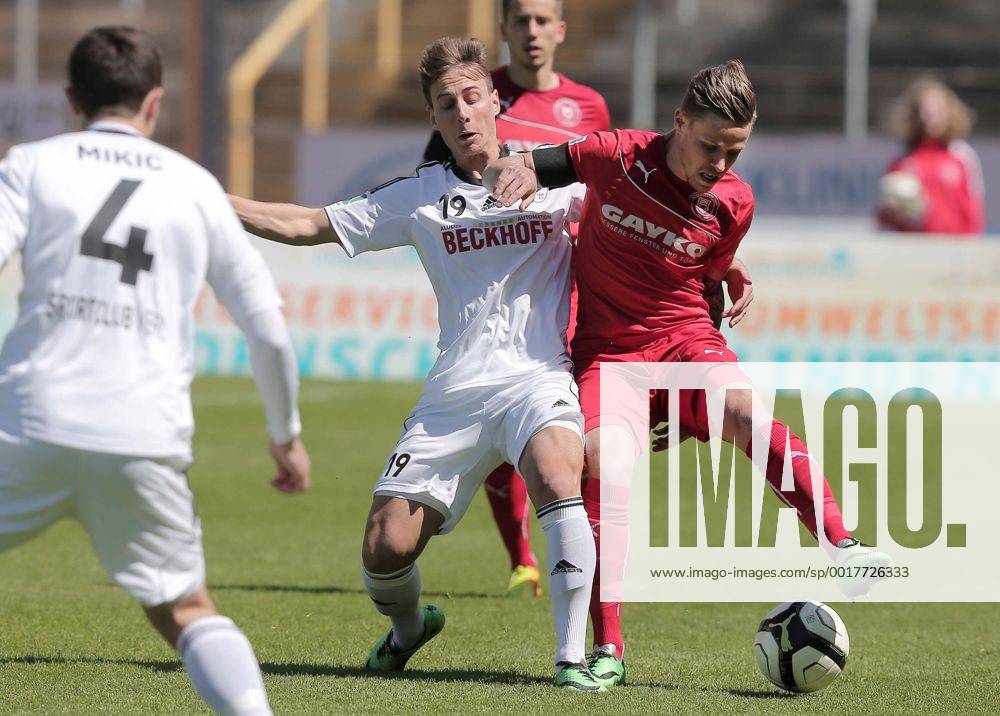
502 387
501 279
117 235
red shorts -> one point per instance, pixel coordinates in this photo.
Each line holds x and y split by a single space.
704 346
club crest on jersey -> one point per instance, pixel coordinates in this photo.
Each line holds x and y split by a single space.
705 205
567 112
540 195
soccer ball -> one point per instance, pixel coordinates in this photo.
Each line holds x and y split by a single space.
801 646
902 196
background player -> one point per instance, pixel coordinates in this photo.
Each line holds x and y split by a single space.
538 106
663 213
933 123
501 388
117 235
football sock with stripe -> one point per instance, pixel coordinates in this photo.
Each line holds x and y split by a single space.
397 595
572 559
222 667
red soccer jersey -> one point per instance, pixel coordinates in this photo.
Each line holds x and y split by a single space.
529 118
646 241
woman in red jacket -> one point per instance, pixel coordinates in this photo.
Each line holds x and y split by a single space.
937 185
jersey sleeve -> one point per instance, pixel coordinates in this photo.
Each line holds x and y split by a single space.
14 213
236 271
378 219
592 155
723 253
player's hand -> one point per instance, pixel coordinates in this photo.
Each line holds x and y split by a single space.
740 289
509 180
294 467
662 440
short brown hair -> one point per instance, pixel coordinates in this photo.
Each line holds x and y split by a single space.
506 5
724 90
447 53
905 119
112 69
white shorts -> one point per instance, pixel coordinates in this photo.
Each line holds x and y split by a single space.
451 443
138 512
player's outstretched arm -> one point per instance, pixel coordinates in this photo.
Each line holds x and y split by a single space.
284 223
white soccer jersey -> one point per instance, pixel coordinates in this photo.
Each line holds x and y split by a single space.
117 235
501 276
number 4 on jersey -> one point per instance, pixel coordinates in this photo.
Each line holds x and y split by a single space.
132 257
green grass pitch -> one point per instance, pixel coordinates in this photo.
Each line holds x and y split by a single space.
286 569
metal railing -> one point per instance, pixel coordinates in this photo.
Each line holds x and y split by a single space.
310 16
298 16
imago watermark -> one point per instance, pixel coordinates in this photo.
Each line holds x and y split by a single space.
780 481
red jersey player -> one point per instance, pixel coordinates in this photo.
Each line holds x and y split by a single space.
538 106
663 215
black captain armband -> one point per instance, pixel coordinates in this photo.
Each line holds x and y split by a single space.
554 167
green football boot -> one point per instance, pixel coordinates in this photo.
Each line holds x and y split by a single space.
386 657
577 677
606 668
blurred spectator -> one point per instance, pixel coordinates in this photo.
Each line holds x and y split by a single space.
937 185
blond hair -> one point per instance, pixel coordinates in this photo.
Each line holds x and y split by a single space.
905 116
724 90
447 53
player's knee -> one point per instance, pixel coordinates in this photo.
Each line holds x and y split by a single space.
739 414
386 556
562 483
559 474
617 458
170 618
386 548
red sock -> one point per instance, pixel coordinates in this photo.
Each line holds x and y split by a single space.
801 498
606 617
508 497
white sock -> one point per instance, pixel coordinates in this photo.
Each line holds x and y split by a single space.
397 595
222 667
572 560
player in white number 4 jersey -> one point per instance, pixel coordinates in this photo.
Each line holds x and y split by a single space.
117 235
501 389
